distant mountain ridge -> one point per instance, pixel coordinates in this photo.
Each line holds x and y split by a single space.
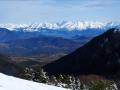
66 25
66 29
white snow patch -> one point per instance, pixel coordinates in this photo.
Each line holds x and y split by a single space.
12 83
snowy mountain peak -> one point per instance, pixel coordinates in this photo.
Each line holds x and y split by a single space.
67 25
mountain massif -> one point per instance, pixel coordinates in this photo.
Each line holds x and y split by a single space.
99 56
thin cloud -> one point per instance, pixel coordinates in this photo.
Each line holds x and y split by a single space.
102 4
82 3
74 3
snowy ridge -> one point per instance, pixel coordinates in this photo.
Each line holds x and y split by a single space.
12 83
69 25
13 26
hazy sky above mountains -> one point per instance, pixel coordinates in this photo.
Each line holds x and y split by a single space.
28 11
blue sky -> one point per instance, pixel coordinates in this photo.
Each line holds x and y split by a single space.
29 11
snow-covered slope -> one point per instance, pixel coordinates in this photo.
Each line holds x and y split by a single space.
68 25
12 83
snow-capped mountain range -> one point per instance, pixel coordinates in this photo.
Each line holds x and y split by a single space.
67 25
